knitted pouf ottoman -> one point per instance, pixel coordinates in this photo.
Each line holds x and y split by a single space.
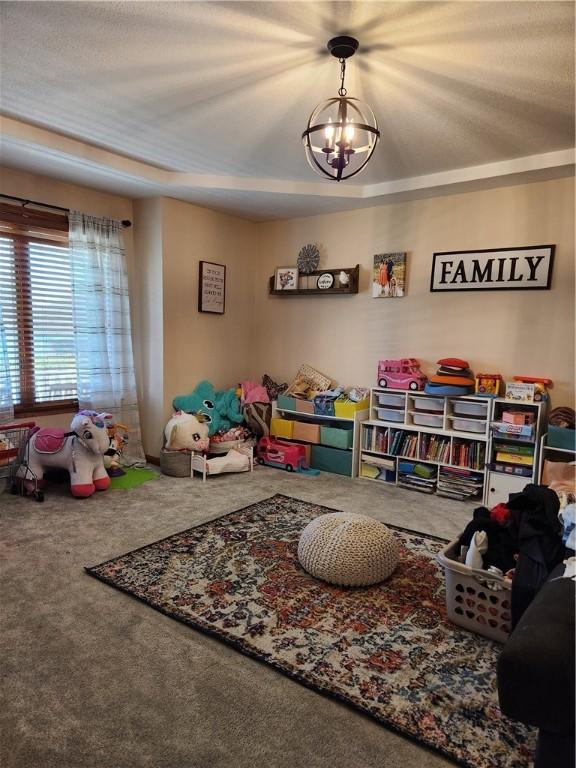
348 549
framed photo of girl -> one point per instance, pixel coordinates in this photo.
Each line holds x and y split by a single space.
211 287
389 277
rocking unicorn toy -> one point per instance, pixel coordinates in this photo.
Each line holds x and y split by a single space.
80 451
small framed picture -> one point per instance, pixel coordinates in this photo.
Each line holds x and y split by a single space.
286 278
211 287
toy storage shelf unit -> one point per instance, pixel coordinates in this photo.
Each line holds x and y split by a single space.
512 459
311 279
426 443
557 453
333 442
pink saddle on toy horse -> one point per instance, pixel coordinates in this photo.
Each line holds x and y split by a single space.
50 440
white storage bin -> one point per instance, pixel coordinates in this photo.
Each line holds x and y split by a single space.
429 404
427 420
469 408
387 398
468 425
387 414
476 599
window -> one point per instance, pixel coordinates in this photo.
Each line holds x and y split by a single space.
36 296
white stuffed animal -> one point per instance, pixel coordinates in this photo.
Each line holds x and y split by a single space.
187 432
80 451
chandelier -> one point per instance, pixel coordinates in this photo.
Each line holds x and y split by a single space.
342 132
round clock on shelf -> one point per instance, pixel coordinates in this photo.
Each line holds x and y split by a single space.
308 258
325 280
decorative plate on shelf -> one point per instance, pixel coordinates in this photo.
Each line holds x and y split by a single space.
325 280
308 258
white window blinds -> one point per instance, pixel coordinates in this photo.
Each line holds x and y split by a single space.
36 297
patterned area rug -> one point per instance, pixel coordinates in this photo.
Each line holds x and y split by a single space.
387 650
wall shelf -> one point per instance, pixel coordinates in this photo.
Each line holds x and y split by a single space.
335 290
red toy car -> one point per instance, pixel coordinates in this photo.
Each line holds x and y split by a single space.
401 374
276 453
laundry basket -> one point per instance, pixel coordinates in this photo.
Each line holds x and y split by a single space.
475 599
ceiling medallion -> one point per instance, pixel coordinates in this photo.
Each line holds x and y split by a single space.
342 132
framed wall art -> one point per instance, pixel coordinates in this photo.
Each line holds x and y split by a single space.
493 269
286 279
389 279
211 287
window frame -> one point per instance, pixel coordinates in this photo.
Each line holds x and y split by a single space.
18 225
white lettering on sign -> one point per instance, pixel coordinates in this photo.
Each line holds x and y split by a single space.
495 269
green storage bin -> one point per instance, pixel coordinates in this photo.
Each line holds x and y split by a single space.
331 460
561 437
286 403
336 437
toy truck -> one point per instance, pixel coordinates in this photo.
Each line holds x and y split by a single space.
282 455
401 374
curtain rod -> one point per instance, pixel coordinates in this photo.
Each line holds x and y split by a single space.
25 202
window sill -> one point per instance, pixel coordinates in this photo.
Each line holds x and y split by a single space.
46 409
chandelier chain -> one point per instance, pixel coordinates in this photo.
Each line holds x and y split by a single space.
342 91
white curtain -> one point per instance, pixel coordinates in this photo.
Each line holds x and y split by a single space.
6 402
104 360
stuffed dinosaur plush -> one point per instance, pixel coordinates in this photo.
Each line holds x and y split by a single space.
221 409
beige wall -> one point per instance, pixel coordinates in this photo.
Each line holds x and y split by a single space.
527 332
200 345
512 332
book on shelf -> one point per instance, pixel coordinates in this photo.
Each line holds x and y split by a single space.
520 450
379 461
514 458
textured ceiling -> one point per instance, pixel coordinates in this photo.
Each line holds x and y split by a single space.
226 88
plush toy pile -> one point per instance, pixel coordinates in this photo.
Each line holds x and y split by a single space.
220 409
453 377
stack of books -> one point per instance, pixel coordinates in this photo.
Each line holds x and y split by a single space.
418 477
468 454
434 448
515 454
376 439
461 484
378 468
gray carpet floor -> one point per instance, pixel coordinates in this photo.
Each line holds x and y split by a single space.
91 678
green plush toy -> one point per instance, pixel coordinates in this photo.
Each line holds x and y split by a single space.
222 409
